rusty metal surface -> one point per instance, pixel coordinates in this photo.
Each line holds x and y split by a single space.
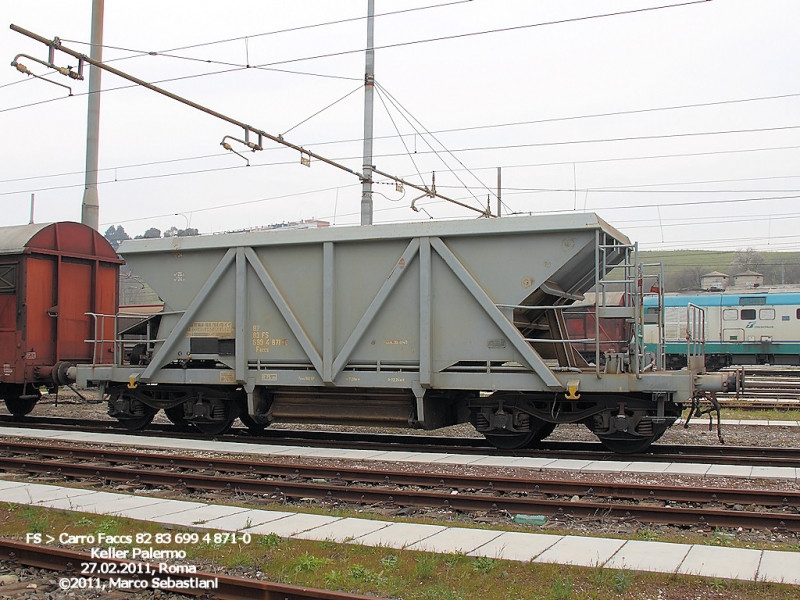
229 588
61 271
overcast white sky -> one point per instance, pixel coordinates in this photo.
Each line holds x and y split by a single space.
719 176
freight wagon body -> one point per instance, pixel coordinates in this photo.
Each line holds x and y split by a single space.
420 324
51 275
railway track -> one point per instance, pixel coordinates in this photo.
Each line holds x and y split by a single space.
594 451
291 482
231 588
756 404
765 387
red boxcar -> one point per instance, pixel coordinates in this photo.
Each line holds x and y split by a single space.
51 275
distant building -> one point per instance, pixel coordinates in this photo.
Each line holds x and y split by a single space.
714 281
304 224
311 223
749 279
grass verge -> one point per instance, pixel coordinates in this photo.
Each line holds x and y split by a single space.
390 573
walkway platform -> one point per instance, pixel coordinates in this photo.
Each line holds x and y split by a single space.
659 557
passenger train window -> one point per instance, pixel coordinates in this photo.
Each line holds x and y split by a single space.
731 314
748 314
766 314
797 314
751 300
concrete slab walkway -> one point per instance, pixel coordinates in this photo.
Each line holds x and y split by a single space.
706 561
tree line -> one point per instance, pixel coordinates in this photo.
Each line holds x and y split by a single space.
117 234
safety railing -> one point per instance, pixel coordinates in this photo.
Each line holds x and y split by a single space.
612 330
695 337
618 269
116 343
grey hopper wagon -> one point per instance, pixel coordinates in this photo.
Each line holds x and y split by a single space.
417 325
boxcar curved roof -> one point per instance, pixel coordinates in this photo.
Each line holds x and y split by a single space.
67 238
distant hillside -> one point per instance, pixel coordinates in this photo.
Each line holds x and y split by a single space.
683 268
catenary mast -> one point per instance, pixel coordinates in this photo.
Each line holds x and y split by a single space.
369 91
90 210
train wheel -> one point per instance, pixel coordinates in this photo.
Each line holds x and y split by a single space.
545 430
252 425
19 407
139 422
510 441
177 416
627 445
218 427
129 409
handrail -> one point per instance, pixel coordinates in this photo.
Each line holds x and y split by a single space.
117 342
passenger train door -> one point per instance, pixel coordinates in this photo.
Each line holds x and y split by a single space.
732 330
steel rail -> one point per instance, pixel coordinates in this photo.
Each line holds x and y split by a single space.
754 402
343 475
594 451
284 490
230 588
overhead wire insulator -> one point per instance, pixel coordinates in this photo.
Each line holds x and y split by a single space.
26 71
21 68
414 201
69 73
252 145
228 147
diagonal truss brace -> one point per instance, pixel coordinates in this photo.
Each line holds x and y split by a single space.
283 307
374 308
529 355
160 357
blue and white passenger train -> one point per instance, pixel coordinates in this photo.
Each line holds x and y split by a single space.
742 326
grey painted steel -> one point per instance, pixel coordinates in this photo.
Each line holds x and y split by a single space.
531 358
680 383
369 95
163 355
425 323
410 306
241 308
567 224
90 210
327 311
374 307
285 310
